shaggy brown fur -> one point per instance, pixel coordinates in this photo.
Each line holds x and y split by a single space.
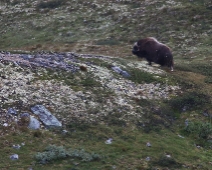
154 51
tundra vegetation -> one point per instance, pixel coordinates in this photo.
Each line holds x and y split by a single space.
108 119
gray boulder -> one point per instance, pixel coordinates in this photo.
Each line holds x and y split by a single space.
34 123
45 116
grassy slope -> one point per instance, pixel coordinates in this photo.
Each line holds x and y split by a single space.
110 28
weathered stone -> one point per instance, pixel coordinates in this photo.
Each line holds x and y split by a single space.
148 158
148 144
34 123
14 157
12 111
24 115
120 71
109 141
45 116
16 146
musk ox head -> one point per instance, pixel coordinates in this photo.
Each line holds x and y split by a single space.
153 51
135 49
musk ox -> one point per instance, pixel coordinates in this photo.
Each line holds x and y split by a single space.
153 51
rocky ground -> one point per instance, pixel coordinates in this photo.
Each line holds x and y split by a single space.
24 83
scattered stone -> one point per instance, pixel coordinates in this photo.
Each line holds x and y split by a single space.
181 136
147 158
14 157
185 166
109 141
205 113
34 123
186 122
148 144
198 146
16 146
45 116
168 156
113 167
64 132
12 111
120 71
5 124
184 109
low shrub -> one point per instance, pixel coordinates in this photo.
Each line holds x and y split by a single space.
208 79
165 161
189 101
53 152
50 4
201 130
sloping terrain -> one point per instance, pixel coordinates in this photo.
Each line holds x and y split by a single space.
73 57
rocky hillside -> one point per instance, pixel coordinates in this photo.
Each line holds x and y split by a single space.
85 87
74 97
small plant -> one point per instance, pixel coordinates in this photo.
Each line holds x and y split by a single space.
165 161
208 79
37 134
200 129
50 4
90 81
53 152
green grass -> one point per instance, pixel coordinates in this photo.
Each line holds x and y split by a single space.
139 76
128 148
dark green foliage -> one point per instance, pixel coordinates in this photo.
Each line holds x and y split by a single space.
205 69
200 129
189 101
90 82
208 80
37 134
157 115
50 4
115 119
145 103
165 161
139 76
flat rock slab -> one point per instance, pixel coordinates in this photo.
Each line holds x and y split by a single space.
45 116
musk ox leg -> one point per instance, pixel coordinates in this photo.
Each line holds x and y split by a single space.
150 63
171 65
